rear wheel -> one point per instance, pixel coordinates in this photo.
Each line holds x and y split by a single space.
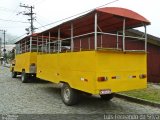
33 77
14 74
24 77
107 97
69 95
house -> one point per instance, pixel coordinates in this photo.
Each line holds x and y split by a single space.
153 55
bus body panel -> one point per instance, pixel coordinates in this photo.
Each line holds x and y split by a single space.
72 67
122 71
23 61
82 69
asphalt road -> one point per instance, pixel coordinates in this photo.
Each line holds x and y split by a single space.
44 98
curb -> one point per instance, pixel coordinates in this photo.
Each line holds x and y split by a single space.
138 100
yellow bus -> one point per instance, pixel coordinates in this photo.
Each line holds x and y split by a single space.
89 54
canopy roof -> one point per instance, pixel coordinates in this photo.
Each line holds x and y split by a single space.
123 13
110 19
27 37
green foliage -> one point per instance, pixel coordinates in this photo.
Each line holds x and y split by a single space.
152 93
11 54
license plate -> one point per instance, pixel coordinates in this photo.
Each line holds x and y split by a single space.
102 92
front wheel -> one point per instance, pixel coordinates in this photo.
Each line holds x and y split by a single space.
69 95
14 74
107 96
24 77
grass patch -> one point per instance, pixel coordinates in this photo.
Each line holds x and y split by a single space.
151 93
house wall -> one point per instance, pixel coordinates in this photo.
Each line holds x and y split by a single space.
153 63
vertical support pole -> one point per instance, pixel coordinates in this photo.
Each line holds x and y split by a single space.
30 44
124 27
80 44
49 42
145 38
46 46
37 44
54 47
25 46
95 31
16 48
59 42
72 44
117 39
21 46
42 43
89 46
101 40
4 41
0 47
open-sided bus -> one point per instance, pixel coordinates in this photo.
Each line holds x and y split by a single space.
89 54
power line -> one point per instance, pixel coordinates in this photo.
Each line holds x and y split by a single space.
13 14
40 23
35 1
18 37
12 21
78 14
6 9
38 2
13 27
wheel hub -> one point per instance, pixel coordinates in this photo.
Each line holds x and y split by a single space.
66 94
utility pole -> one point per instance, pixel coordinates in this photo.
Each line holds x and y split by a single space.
0 46
4 48
30 14
4 38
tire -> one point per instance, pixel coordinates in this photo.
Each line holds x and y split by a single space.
86 94
69 95
107 97
24 77
33 77
14 74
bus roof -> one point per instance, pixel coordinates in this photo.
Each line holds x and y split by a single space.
109 19
27 37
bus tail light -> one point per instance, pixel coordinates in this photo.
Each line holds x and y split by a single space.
115 77
132 76
142 76
102 79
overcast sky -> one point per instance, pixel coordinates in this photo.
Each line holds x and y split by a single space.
48 11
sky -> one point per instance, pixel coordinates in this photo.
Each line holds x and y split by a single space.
49 11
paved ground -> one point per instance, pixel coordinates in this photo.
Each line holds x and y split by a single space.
44 98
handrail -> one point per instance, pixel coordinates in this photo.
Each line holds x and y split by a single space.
78 36
121 35
24 47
